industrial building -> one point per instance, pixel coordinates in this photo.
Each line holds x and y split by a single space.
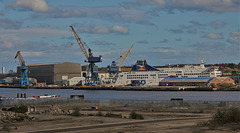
54 72
76 81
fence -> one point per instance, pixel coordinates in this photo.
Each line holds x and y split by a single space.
39 101
103 102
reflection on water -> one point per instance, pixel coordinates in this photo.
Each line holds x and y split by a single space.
129 95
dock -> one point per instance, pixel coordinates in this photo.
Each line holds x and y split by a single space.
124 88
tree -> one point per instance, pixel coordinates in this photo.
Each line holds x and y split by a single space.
11 71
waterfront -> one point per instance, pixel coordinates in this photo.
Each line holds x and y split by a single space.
98 95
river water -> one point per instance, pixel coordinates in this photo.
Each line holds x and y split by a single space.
212 96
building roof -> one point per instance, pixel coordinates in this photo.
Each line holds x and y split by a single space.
204 79
49 63
222 78
142 65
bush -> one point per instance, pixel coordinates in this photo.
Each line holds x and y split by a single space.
231 115
76 112
20 109
99 113
219 117
113 115
6 128
134 115
20 118
222 104
202 124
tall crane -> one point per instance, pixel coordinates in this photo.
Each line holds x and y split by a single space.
114 68
24 77
123 57
92 74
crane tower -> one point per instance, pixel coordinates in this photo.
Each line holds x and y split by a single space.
24 77
92 73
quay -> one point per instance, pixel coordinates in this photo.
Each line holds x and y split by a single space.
124 88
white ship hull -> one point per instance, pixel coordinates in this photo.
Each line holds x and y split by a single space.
152 78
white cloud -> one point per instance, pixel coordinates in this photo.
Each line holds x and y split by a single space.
213 36
234 37
10 24
163 50
31 54
218 6
120 29
147 2
34 5
8 41
234 40
36 32
235 33
217 24
110 13
97 29
103 43
104 53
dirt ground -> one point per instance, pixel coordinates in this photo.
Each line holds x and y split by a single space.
160 117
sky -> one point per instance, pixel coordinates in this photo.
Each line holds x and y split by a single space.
162 31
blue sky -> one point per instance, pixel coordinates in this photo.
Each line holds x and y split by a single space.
163 31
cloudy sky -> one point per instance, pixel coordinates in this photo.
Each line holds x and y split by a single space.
163 31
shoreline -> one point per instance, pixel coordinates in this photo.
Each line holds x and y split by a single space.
131 88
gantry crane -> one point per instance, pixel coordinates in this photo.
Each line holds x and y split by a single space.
24 77
92 74
114 68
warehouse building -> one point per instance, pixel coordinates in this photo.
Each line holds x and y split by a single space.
54 72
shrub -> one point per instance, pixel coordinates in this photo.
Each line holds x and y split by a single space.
6 128
202 124
231 115
20 109
99 113
76 112
113 115
219 117
134 115
20 118
222 104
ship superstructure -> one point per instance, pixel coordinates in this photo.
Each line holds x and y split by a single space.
144 74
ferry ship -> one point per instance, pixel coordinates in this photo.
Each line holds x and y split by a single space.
143 74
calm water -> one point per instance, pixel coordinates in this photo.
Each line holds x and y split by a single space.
233 96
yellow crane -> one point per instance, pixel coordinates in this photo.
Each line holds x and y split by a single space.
123 57
80 43
92 74
114 69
